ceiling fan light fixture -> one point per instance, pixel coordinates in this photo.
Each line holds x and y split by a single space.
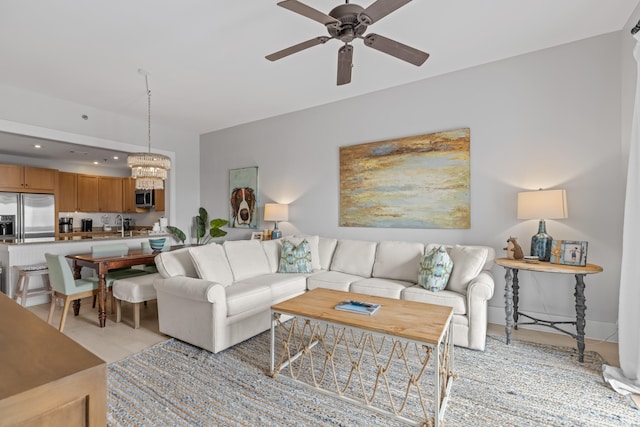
347 22
149 169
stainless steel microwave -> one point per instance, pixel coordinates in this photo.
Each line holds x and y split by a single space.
145 199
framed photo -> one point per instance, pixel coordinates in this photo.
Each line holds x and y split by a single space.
243 197
257 235
569 252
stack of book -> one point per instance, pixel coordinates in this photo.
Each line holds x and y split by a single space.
358 307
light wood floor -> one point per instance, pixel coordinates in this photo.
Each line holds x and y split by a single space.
119 340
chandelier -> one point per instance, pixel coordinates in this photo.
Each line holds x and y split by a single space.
148 169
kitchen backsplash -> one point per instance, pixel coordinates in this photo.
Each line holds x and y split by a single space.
145 219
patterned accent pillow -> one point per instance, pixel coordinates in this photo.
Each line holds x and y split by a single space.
435 269
295 259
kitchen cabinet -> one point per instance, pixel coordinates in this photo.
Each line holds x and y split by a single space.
129 195
158 198
87 193
109 194
28 179
67 192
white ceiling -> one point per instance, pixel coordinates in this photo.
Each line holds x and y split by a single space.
206 58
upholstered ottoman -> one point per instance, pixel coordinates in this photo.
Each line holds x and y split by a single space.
135 290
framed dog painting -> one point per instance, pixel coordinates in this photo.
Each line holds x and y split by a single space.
243 192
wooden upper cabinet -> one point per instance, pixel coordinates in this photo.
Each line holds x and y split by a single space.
87 193
11 177
129 195
109 194
67 192
158 197
28 179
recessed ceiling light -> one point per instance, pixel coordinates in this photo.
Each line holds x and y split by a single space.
37 146
96 163
115 157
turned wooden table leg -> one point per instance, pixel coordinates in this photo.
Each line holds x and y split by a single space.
77 274
102 299
508 303
580 312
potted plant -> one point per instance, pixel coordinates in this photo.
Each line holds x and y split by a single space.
201 224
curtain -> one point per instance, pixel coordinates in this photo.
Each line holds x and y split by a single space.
626 379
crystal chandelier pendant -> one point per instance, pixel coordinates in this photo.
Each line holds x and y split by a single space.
149 169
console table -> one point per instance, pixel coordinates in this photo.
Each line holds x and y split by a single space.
511 297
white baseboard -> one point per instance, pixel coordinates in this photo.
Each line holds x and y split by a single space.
602 331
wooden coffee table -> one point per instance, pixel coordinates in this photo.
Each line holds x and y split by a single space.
356 357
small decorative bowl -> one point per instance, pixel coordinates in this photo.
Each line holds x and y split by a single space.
157 244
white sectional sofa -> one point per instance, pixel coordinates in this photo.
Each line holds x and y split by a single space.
215 296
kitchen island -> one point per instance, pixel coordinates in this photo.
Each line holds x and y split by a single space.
16 252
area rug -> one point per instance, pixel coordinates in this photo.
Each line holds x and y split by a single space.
521 384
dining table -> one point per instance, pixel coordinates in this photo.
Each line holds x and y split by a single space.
102 265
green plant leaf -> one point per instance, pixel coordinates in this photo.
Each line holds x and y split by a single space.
200 229
218 222
177 232
204 215
216 232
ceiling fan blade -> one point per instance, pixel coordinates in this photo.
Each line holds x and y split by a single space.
297 48
379 10
345 56
308 11
397 49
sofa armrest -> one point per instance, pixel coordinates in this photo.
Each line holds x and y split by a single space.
481 287
191 288
479 292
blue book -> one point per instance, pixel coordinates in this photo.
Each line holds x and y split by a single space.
358 307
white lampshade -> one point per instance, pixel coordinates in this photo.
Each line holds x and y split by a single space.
276 212
542 204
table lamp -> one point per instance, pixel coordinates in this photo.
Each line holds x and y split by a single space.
276 212
542 204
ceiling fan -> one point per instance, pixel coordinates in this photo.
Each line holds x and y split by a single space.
346 23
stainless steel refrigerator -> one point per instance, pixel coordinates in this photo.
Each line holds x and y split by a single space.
27 217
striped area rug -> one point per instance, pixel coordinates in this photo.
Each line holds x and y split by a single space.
522 384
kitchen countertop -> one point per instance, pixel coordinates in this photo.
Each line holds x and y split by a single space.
83 237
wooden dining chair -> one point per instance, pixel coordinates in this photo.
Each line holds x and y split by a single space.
65 286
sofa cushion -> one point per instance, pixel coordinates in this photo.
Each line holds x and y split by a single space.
398 260
175 263
295 259
314 242
467 264
447 298
435 269
246 258
331 280
283 285
242 297
488 264
272 249
326 247
211 263
354 257
388 288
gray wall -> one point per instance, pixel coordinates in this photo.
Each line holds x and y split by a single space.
549 119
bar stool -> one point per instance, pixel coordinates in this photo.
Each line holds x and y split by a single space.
25 272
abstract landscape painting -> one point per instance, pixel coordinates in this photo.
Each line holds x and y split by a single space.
414 182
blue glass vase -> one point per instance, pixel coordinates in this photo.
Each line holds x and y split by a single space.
541 243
